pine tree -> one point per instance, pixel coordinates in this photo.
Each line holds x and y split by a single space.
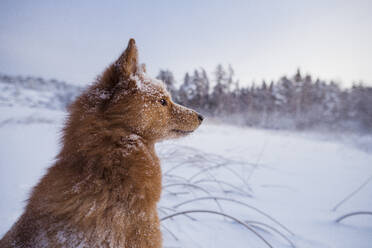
167 77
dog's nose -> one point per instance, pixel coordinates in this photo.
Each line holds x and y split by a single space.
200 117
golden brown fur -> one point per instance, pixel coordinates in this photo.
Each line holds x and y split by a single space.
103 189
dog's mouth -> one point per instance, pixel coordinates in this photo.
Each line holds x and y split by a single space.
184 132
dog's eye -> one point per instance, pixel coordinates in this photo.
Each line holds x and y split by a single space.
163 102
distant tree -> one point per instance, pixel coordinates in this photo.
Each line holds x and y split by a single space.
167 77
297 77
224 97
295 102
361 102
219 90
285 93
186 91
202 83
194 92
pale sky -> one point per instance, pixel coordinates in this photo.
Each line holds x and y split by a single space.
75 40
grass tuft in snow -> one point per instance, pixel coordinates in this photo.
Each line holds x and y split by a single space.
198 179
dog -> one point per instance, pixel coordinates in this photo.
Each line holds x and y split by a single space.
103 189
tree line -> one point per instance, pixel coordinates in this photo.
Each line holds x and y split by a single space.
296 102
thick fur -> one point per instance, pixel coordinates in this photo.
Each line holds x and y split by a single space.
104 187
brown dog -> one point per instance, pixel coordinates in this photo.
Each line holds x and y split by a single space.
104 187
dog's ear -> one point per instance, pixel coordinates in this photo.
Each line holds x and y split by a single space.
128 61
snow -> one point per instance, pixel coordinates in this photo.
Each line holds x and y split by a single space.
296 178
36 92
146 84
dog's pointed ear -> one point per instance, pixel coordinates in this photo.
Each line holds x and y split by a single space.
128 61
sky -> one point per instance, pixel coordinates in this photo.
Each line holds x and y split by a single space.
75 41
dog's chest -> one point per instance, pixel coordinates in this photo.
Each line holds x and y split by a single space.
68 237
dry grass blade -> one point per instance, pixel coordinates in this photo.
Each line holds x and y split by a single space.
173 210
352 193
197 187
211 175
176 176
258 159
353 214
221 214
218 166
224 183
237 202
170 232
187 185
161 209
175 167
255 223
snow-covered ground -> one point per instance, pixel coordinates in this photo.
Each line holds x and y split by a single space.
270 180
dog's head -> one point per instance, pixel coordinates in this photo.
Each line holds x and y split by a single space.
129 99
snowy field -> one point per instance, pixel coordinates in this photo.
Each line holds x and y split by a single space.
281 187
